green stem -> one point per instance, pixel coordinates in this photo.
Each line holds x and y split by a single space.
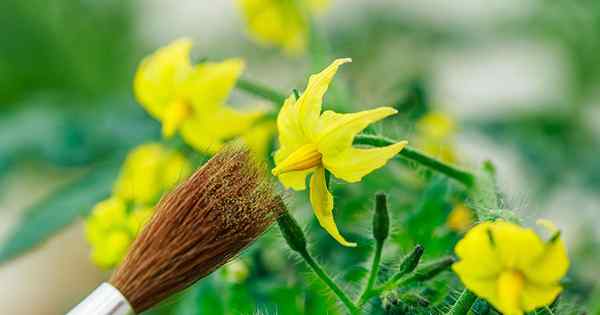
352 309
367 292
415 155
463 304
261 90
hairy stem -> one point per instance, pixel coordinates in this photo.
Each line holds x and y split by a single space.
352 309
367 292
415 155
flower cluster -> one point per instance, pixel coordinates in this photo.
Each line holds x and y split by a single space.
191 100
149 171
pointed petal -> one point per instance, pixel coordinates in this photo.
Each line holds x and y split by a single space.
291 136
209 84
322 202
159 74
309 104
352 164
336 131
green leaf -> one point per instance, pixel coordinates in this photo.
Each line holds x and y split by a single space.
50 215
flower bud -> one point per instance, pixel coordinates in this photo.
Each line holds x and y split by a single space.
292 233
381 218
432 269
410 262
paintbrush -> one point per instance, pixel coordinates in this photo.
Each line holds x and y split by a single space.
196 228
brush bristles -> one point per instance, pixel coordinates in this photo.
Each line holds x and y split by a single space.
199 226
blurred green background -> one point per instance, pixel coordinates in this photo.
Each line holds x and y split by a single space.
521 79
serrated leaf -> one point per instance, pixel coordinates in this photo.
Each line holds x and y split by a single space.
50 215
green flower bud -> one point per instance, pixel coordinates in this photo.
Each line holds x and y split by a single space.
381 218
410 262
292 233
432 269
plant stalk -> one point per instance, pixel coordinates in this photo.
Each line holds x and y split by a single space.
352 309
413 154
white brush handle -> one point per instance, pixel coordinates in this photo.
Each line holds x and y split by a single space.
105 300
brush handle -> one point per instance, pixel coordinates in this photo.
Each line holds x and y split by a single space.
105 300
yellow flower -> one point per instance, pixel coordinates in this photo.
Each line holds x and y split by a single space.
460 218
311 142
108 233
510 266
190 99
148 171
435 135
281 23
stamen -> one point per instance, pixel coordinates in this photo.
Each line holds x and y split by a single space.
491 237
304 158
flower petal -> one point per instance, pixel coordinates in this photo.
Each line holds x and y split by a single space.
535 296
336 131
158 75
550 266
322 202
291 136
295 180
208 133
209 84
259 139
309 104
517 247
352 164
477 255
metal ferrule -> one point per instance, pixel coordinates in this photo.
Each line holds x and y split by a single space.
105 300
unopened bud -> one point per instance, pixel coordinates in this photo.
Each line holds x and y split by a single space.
410 262
292 233
381 218
432 269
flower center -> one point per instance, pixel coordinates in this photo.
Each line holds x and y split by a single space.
304 158
175 114
510 289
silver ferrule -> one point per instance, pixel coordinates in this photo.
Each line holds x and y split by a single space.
105 300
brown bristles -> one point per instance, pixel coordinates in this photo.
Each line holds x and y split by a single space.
196 228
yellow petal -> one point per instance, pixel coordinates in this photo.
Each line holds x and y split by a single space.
309 103
279 23
208 133
291 135
295 180
478 257
517 247
482 287
353 164
322 203
510 289
209 84
535 296
173 117
336 131
159 75
259 139
550 266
